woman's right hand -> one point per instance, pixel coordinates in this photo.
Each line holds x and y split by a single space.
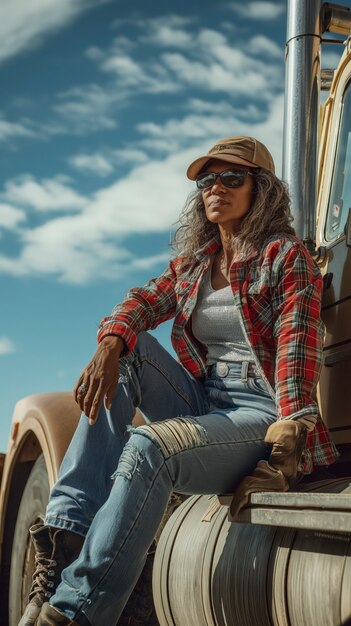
100 377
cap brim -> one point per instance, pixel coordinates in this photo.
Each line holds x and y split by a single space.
195 168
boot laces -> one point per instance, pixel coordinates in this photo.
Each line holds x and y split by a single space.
44 569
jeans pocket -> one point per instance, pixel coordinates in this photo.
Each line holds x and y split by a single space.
257 384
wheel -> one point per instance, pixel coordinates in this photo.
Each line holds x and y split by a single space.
139 609
31 510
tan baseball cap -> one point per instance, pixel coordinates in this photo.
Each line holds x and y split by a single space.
242 150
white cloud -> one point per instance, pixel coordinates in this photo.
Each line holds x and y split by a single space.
171 37
88 245
47 195
190 127
105 162
211 64
222 108
71 250
10 217
134 76
168 31
242 76
209 39
171 20
216 65
130 155
6 345
88 108
259 10
262 45
92 163
124 66
24 24
205 126
150 261
13 129
120 45
194 128
94 53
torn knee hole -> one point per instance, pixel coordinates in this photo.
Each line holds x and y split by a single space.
174 435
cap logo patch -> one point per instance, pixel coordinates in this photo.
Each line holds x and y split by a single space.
220 147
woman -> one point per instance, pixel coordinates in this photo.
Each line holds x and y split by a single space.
245 295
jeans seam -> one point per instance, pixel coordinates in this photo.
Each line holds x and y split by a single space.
171 382
214 443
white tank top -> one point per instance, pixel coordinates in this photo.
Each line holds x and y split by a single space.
216 324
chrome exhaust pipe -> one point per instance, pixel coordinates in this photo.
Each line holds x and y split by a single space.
302 88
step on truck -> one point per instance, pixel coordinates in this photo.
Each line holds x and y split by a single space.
288 561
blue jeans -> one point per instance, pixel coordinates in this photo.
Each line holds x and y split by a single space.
115 481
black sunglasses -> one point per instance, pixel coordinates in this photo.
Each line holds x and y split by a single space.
229 178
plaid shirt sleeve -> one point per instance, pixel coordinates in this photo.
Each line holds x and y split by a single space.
143 308
298 332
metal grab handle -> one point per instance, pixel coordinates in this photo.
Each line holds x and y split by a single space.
337 357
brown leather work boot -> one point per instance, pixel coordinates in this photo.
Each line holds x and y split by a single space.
49 616
55 549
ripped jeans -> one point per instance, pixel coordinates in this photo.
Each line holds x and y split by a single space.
115 481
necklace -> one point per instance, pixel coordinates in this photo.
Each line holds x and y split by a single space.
222 262
236 255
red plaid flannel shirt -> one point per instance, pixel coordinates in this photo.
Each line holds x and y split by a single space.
278 294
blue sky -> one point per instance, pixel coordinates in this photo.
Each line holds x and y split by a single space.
103 105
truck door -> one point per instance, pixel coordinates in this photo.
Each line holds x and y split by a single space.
335 202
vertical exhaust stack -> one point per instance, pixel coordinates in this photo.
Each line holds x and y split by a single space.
302 87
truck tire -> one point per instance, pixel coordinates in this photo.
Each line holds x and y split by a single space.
31 510
139 609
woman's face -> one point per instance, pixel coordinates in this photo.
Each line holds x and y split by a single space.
227 206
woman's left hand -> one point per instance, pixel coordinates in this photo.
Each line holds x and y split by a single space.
288 438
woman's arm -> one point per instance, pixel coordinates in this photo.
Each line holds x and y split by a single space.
142 309
298 332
